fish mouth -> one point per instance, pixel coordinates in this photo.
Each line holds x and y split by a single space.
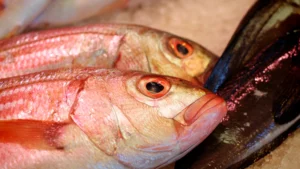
206 104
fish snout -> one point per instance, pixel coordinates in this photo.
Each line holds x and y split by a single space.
209 103
198 120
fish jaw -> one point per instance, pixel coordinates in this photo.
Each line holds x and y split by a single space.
195 123
201 119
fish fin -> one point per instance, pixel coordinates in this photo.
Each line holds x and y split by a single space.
31 133
286 104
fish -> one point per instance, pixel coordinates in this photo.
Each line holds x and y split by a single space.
261 89
16 19
120 46
102 118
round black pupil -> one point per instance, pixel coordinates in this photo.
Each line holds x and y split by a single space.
154 87
182 49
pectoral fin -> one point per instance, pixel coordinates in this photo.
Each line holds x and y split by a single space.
31 134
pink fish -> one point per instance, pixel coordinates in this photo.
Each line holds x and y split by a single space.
125 47
102 118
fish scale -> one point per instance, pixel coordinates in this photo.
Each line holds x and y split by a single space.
39 101
64 52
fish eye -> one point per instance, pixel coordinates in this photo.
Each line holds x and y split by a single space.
180 48
153 86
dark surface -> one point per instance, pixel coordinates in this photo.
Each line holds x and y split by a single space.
256 90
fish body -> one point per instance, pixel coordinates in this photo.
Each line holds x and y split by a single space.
125 47
102 118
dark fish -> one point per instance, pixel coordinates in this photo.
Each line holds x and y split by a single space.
265 22
250 131
258 75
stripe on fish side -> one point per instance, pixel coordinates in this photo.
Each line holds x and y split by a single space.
55 94
73 50
44 35
41 101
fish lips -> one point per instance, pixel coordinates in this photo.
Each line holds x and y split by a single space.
206 104
198 120
209 103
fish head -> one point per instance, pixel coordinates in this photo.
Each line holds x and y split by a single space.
171 117
189 56
163 53
148 118
172 55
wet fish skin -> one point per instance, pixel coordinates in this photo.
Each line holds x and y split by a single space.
104 118
125 47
